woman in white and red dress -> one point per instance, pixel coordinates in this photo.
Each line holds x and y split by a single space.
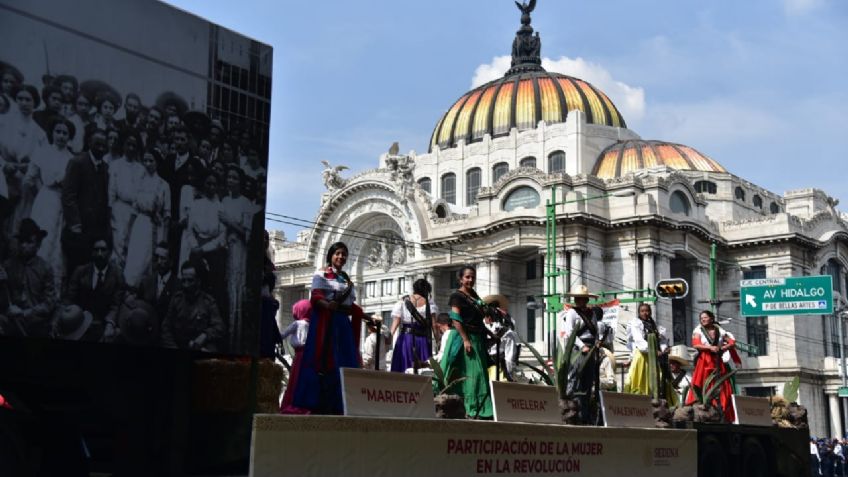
712 341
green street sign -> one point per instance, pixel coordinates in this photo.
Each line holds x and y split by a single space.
842 391
786 296
748 348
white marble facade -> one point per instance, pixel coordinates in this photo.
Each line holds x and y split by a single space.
397 232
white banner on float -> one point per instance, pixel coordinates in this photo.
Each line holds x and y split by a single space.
525 403
754 411
383 394
340 445
626 410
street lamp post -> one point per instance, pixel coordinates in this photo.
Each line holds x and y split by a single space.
552 272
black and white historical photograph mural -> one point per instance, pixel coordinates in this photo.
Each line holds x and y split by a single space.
133 181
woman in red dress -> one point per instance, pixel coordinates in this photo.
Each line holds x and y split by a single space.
712 341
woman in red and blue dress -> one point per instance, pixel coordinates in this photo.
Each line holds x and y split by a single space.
712 341
333 340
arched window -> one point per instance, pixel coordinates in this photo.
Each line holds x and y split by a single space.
426 184
758 201
556 161
472 185
498 171
678 203
706 187
739 193
441 211
528 161
774 208
449 188
522 197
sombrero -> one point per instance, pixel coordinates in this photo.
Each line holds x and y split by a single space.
680 354
73 323
580 291
499 300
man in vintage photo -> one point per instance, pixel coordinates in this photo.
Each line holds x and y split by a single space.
27 292
193 320
85 200
160 284
97 287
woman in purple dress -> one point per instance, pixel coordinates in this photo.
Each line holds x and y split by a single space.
413 315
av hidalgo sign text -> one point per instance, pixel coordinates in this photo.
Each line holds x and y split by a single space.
786 296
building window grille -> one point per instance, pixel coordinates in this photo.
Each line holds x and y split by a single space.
528 161
426 184
449 188
739 193
706 187
472 185
774 208
679 204
386 286
758 201
556 161
499 170
756 327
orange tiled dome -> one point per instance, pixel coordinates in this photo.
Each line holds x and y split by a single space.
521 100
628 156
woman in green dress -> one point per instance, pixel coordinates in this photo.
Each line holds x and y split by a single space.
465 353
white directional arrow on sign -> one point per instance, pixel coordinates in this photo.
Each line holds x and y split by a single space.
749 300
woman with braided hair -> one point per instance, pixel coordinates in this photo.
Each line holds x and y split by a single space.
333 340
638 379
712 341
465 352
413 315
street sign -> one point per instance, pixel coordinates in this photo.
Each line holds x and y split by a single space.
842 391
748 348
786 296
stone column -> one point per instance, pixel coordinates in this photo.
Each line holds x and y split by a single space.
835 421
577 276
649 278
494 276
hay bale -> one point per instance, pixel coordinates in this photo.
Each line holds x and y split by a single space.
220 385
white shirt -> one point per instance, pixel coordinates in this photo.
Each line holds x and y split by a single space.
332 287
573 323
636 336
443 343
401 311
368 351
161 281
298 330
97 272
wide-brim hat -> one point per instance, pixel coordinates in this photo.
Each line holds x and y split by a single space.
499 300
169 98
580 291
679 354
97 91
8 67
138 323
73 323
28 228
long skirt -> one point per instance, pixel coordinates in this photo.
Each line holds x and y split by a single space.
142 236
456 363
705 364
121 213
319 384
287 406
47 213
402 358
639 382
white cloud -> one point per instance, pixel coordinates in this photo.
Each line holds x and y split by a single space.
630 100
800 7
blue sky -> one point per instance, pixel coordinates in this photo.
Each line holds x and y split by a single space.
759 85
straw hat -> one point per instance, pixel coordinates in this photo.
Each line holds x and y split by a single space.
73 323
680 354
580 291
499 300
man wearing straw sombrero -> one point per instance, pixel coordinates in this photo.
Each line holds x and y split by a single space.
591 333
678 362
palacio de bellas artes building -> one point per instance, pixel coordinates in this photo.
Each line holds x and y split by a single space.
635 211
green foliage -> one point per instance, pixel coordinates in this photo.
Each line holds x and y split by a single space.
439 376
541 372
714 387
790 389
549 376
653 368
567 358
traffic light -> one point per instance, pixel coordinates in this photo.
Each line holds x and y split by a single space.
672 288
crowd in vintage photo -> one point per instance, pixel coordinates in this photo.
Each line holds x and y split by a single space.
122 221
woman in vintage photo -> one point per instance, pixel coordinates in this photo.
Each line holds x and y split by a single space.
49 164
124 175
236 216
333 340
149 222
